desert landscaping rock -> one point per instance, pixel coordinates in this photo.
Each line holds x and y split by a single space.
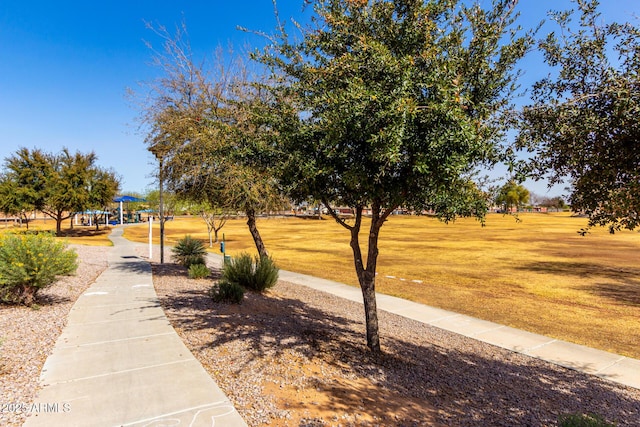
297 357
27 335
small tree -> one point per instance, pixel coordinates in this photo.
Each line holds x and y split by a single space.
12 200
215 218
556 203
393 103
210 139
512 195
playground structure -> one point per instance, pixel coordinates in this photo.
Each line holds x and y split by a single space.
131 216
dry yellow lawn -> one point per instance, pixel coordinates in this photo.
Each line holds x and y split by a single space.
78 235
537 274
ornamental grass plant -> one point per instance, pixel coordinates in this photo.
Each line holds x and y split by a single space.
198 271
254 273
225 291
189 251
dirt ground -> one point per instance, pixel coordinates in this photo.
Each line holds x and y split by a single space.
297 357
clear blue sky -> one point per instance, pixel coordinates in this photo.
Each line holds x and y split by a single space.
65 67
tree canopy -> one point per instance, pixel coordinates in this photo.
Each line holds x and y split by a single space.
512 195
204 129
393 103
583 125
56 184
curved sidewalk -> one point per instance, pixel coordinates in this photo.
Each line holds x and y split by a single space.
610 366
118 362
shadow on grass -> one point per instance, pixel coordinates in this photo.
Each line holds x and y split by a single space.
624 287
464 382
583 269
85 232
624 293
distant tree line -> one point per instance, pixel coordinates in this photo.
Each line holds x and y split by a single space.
56 184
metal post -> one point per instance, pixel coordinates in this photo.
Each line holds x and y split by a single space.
161 211
150 238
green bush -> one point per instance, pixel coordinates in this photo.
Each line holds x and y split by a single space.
256 274
198 271
189 251
238 269
583 420
30 262
265 274
227 292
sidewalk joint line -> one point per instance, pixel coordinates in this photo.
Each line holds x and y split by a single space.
124 371
535 347
497 328
121 304
118 340
431 322
615 362
98 322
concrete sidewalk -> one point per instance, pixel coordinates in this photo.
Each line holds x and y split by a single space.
613 367
118 362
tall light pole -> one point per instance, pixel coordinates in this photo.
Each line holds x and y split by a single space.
160 150
161 210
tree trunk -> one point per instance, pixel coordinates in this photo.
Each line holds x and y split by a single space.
367 276
58 225
371 314
253 229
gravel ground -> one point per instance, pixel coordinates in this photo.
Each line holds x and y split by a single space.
27 335
297 357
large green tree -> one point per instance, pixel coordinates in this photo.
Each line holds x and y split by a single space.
399 102
583 126
56 184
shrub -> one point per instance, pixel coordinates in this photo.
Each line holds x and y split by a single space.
189 251
583 420
256 274
226 291
238 269
198 271
30 262
265 274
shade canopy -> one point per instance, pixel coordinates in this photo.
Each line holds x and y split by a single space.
121 199
97 212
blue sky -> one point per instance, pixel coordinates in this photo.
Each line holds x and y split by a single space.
65 67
